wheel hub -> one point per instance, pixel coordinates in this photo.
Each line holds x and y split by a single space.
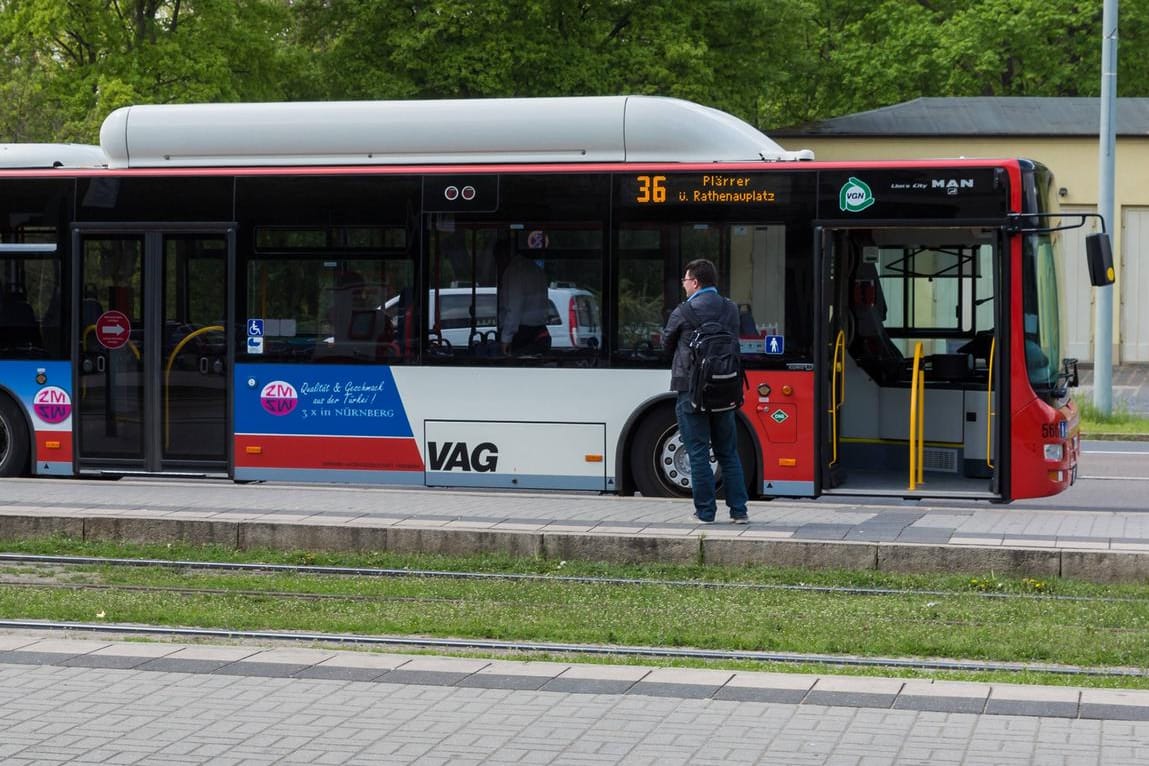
674 462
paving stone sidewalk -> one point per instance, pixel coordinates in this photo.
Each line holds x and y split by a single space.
88 701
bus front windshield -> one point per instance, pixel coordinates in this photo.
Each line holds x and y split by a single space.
1041 314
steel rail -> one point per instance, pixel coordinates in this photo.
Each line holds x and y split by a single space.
32 558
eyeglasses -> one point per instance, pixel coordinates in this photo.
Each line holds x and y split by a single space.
689 279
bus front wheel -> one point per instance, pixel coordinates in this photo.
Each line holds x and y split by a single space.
13 439
658 459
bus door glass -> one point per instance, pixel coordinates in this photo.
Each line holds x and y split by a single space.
910 402
152 351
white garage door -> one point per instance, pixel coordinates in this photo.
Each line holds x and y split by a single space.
1133 285
1079 319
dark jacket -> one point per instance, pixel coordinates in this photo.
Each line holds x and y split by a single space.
709 307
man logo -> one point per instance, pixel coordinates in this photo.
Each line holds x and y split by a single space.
952 183
456 456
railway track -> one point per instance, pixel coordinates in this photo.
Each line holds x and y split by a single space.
582 650
307 569
480 645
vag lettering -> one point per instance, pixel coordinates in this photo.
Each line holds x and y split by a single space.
457 456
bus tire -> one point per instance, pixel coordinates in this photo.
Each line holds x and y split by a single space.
14 446
655 460
658 460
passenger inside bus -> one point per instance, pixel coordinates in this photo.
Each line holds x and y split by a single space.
523 305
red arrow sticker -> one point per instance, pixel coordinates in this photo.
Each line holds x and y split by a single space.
113 329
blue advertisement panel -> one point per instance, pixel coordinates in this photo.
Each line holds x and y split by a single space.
44 389
318 400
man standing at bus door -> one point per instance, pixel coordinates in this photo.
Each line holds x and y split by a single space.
523 305
702 431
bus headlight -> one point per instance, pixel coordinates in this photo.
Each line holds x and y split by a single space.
1055 452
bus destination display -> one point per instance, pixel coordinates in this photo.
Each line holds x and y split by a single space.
701 189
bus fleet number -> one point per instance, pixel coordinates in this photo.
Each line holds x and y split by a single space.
651 189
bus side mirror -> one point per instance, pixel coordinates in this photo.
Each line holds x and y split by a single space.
1099 256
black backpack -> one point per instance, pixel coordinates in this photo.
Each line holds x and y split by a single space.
716 376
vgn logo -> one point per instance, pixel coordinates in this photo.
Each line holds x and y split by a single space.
457 456
855 196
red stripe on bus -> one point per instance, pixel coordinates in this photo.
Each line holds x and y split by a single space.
327 452
564 168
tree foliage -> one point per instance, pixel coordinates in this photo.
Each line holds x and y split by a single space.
70 62
64 64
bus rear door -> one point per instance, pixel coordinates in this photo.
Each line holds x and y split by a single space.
151 350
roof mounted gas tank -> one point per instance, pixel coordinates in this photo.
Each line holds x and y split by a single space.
51 156
520 130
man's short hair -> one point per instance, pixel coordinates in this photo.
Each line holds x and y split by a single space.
704 271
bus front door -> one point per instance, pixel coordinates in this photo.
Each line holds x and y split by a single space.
151 354
908 397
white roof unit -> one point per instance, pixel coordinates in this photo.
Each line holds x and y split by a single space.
590 129
51 156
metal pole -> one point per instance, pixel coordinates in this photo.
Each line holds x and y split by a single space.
1103 338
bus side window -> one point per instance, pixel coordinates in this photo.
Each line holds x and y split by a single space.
18 324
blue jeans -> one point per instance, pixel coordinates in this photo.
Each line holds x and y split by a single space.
700 432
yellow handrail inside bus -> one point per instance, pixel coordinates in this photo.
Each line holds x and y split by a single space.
168 375
989 408
921 426
917 414
837 395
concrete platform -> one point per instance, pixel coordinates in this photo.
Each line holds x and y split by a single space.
1101 546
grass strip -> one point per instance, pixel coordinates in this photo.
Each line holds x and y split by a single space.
955 620
1118 422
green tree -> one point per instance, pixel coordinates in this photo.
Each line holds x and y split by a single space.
872 54
713 51
1022 48
70 62
64 64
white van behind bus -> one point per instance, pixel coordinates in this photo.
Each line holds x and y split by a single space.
573 318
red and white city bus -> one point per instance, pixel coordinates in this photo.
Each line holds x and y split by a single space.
310 292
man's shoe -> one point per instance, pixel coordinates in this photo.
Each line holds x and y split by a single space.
739 518
703 519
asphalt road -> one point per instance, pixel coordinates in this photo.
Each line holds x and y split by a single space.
1111 476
